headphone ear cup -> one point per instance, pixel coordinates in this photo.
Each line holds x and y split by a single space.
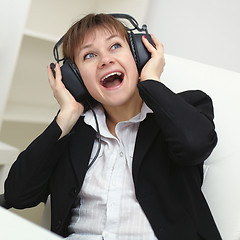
73 82
140 53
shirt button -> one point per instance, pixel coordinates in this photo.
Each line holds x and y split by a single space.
105 235
115 184
121 154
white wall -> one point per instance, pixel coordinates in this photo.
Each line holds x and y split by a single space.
206 31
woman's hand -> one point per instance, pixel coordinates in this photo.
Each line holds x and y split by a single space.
70 109
154 67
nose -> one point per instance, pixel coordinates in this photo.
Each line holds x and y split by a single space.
105 59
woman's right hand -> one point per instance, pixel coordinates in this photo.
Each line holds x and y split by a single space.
70 109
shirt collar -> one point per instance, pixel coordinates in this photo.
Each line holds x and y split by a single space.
101 118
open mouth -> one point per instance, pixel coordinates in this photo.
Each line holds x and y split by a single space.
112 80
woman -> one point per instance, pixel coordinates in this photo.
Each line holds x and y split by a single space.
146 180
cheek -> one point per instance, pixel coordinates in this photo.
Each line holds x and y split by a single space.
89 84
88 79
132 64
133 70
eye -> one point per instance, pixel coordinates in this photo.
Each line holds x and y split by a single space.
88 56
116 46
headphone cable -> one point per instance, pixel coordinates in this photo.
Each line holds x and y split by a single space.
98 136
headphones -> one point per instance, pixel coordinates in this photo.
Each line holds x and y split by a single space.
70 74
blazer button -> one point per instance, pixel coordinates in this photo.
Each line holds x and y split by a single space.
73 192
58 225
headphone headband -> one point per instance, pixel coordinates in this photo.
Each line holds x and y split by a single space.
116 15
132 20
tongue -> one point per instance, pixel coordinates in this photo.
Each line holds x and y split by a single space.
112 82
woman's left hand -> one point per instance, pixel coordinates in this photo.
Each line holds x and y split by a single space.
154 67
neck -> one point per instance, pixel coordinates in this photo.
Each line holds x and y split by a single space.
117 114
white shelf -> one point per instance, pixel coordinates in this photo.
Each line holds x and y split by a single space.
56 16
40 35
30 113
30 81
30 98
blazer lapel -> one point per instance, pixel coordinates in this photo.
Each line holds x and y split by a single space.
82 142
147 132
80 148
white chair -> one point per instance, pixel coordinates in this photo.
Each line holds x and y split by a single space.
221 184
222 178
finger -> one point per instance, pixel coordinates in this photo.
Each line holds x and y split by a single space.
51 78
147 44
50 73
158 45
155 40
58 72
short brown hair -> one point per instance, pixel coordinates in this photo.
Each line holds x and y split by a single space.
74 37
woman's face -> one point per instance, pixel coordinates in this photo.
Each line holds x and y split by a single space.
107 68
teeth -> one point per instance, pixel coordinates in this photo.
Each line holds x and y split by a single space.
111 74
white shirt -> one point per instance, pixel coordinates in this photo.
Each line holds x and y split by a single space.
107 207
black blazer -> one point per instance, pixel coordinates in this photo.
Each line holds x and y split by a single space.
171 146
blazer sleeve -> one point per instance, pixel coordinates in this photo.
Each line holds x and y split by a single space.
27 183
185 119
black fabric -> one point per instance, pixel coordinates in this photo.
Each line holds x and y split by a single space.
3 202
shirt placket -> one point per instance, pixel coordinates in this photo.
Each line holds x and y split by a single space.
115 190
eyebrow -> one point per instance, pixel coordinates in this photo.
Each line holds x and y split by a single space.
90 45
